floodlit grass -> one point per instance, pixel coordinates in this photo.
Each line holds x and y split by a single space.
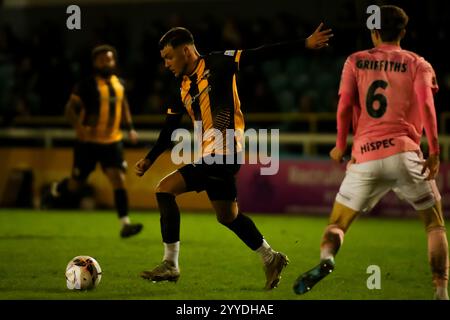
35 247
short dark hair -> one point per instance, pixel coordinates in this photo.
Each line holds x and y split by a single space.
103 48
393 20
176 37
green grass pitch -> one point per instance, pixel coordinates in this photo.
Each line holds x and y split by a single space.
35 247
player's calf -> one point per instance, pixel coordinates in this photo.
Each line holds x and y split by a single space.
332 240
438 259
437 248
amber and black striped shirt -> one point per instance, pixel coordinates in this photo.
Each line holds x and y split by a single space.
100 109
209 95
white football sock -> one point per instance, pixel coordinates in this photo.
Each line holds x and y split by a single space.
266 252
171 251
441 293
125 220
54 189
326 254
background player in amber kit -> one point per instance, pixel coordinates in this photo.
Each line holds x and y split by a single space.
97 109
388 92
207 90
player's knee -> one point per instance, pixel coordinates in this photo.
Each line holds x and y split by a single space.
225 219
116 177
435 224
164 187
433 218
160 188
341 225
120 184
342 216
337 222
117 184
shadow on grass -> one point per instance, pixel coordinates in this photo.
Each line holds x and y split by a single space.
95 294
33 236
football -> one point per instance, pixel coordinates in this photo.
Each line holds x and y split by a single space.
83 273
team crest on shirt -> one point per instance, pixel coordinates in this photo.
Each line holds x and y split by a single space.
206 75
230 53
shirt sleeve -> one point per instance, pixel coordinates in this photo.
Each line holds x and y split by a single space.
425 76
425 85
272 51
123 83
344 119
86 90
174 114
229 59
348 90
75 96
174 104
164 139
348 84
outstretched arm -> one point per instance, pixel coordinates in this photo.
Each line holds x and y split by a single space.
319 39
164 140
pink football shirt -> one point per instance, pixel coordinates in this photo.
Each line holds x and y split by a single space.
387 93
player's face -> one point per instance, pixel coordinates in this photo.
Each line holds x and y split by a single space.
105 64
175 59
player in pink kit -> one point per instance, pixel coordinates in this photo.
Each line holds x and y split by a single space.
386 93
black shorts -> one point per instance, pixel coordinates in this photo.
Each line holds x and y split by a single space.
219 180
87 154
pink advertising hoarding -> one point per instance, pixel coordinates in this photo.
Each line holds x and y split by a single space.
309 187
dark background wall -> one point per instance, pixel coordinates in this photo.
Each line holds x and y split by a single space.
40 59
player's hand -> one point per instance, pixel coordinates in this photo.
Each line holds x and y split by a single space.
133 136
350 162
337 154
432 164
142 166
319 39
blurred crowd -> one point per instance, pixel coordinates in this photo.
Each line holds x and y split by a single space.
38 71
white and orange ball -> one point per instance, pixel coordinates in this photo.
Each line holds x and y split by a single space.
83 273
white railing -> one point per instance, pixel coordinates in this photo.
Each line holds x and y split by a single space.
308 141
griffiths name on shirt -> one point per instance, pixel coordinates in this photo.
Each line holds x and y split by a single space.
381 65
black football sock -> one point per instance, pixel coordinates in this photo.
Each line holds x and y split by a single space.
63 188
246 230
121 201
170 217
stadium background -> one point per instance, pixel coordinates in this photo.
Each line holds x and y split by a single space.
40 60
